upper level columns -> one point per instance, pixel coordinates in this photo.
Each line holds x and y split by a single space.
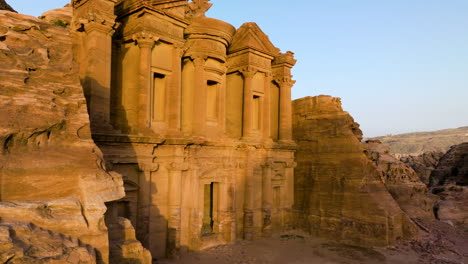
175 89
285 108
95 55
247 110
199 100
267 107
281 67
146 43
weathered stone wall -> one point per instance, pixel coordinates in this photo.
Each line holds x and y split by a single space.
52 174
449 181
402 182
338 191
423 164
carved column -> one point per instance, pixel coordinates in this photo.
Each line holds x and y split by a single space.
285 106
248 74
249 200
267 107
97 77
146 43
267 196
145 203
175 92
199 100
175 200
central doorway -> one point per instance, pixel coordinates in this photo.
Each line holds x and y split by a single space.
210 209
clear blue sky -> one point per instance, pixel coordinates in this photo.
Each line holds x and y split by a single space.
398 65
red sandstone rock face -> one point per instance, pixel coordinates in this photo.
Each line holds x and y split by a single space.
423 164
338 190
450 181
52 174
402 182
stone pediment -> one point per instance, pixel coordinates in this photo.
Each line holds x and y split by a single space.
250 36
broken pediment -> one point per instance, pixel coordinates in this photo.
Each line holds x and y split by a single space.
250 36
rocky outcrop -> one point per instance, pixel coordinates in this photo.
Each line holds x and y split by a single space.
402 182
22 243
423 164
5 6
338 190
124 246
450 181
52 175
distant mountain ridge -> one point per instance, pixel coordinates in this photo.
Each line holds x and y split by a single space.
417 143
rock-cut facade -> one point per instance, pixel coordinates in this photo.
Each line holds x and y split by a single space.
196 116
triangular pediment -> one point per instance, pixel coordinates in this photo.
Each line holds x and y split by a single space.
250 36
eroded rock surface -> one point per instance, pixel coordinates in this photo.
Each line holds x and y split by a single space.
23 243
402 182
338 190
450 181
52 174
423 164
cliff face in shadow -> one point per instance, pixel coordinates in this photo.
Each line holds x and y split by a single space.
338 191
449 181
5 6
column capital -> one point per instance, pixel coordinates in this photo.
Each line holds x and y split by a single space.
248 72
180 49
92 24
285 81
199 60
145 39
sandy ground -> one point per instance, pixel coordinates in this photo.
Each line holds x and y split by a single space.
443 244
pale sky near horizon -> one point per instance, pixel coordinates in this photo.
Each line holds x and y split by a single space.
399 66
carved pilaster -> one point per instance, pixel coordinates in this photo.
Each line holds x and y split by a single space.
145 41
248 74
199 101
93 26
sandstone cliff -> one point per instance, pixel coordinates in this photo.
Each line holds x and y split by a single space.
338 190
449 180
52 178
402 182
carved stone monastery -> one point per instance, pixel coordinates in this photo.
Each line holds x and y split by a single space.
198 141
195 115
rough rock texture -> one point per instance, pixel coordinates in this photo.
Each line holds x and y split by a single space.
423 164
124 247
59 16
450 181
338 190
5 6
402 182
52 173
22 243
